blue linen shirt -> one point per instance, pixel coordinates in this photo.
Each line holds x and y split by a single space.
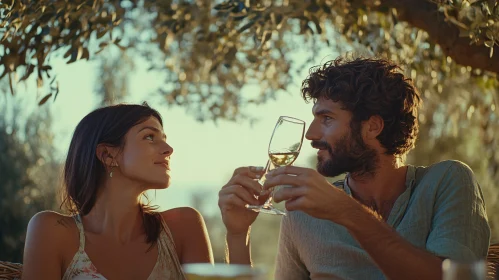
442 211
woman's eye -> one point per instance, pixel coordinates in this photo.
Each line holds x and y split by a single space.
149 137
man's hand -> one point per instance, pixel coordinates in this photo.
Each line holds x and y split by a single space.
310 193
233 197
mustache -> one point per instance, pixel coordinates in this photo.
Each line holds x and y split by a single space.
320 144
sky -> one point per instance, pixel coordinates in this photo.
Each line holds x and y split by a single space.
204 153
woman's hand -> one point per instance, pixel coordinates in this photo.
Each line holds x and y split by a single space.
239 191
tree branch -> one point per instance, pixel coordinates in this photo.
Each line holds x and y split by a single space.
424 15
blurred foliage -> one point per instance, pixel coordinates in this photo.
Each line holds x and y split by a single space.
112 85
28 172
209 50
477 20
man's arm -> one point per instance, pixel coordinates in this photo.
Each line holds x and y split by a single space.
459 227
459 230
312 194
396 257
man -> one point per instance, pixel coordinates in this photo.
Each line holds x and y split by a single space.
386 219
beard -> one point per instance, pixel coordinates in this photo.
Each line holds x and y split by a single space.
350 155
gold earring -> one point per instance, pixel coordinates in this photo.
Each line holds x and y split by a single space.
113 164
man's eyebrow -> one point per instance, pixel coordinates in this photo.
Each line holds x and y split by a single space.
324 112
153 129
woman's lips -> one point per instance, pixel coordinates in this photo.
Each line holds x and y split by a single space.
164 164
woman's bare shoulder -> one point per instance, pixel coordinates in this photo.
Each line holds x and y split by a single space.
185 221
50 225
183 215
189 232
51 237
51 220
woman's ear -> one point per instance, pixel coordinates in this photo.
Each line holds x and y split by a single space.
105 154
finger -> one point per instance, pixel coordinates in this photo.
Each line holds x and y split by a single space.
282 179
257 169
296 204
250 171
248 183
230 202
245 171
239 191
294 170
240 170
289 193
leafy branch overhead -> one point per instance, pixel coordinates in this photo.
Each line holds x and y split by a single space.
209 50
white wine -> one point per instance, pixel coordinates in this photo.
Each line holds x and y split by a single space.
207 271
283 159
191 276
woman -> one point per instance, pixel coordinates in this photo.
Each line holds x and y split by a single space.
116 154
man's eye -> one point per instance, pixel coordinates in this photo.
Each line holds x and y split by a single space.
149 137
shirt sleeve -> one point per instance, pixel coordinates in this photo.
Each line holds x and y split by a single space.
459 228
288 262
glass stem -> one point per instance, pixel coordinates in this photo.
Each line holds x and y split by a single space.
268 203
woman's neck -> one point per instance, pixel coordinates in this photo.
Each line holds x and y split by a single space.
117 212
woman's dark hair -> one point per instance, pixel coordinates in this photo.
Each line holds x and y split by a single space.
368 87
84 171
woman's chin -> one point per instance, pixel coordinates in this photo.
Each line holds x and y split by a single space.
160 184
163 186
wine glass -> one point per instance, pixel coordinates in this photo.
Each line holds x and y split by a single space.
208 271
284 147
455 270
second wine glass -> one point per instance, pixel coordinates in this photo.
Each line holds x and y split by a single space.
284 148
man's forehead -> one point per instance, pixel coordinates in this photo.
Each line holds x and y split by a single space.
323 104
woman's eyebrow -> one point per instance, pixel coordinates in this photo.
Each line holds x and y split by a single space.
153 129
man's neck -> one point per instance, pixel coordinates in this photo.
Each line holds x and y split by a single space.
380 190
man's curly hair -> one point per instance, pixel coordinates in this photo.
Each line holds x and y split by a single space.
368 87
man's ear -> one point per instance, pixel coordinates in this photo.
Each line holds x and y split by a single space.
106 154
373 127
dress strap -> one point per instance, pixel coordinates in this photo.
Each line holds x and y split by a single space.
79 225
168 253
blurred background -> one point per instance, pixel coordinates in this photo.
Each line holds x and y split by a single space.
221 73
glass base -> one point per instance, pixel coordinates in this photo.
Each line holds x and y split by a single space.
267 209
